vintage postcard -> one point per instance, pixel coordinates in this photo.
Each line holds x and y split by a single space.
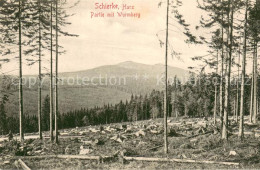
129 84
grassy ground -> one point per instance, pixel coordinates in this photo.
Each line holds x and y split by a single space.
194 139
79 164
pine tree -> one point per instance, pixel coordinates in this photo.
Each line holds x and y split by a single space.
238 82
56 77
51 72
227 106
40 74
20 71
254 32
242 103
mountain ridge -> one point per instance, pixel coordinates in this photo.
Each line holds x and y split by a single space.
129 66
137 79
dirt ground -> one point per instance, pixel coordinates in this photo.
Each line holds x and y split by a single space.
196 139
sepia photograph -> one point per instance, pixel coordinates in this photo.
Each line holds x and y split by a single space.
129 84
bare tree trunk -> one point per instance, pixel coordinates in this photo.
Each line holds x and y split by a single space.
185 110
257 6
252 95
40 78
255 85
51 84
166 83
238 81
234 108
226 105
257 109
216 94
251 101
56 78
221 88
228 73
221 92
136 119
242 109
20 75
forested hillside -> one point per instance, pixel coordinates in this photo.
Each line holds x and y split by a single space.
74 93
195 98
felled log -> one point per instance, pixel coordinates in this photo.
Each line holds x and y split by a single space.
100 159
24 166
65 137
88 157
35 157
193 136
178 160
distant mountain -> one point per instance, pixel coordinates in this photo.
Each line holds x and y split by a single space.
98 86
135 77
127 68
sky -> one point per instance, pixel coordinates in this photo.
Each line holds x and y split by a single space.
108 41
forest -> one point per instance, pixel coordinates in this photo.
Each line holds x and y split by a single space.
194 99
30 30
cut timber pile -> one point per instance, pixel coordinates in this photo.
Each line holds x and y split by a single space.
191 140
